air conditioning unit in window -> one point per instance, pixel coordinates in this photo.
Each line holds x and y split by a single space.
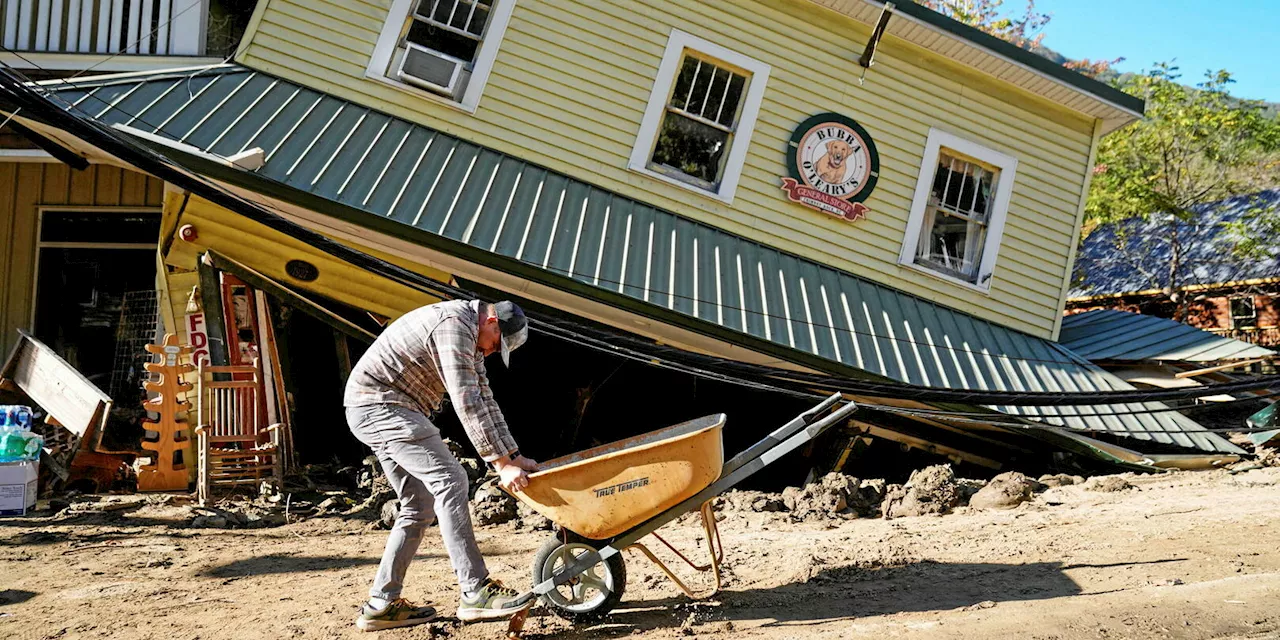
431 70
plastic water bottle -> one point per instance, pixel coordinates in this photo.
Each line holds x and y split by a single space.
17 441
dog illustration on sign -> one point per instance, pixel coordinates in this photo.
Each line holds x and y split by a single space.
831 166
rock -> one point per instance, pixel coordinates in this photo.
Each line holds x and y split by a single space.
334 503
968 487
209 522
826 498
389 513
929 490
750 501
1060 480
866 500
1005 491
1107 484
492 505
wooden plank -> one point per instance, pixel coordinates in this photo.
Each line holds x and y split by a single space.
56 184
215 328
118 26
8 215
145 28
22 257
163 44
83 183
108 187
104 20
133 188
185 27
42 26
56 386
11 23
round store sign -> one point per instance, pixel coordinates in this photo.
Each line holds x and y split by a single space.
833 164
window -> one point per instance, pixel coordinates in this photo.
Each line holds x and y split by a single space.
1244 313
698 123
957 215
441 48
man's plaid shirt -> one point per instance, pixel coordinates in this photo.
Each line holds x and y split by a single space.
425 354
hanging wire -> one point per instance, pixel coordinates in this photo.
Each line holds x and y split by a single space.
792 383
853 331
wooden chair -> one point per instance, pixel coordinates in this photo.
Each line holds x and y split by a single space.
234 445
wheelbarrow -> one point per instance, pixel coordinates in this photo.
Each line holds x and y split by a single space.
604 500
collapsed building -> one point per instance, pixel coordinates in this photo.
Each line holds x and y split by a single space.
291 202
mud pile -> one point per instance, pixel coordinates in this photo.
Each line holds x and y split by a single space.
929 490
1005 491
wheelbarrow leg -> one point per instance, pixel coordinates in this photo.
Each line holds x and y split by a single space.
714 549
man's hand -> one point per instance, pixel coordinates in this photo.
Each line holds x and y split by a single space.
525 463
513 474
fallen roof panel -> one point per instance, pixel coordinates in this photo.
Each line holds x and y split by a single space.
386 173
1111 335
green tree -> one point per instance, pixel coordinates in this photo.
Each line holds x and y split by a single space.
1195 146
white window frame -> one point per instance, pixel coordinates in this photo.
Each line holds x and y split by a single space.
43 244
1008 166
483 65
663 85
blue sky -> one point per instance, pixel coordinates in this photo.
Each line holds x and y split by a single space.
1241 36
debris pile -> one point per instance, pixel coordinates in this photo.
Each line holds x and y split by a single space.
1005 491
492 505
1060 480
1107 484
928 491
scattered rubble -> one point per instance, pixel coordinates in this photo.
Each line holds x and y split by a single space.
750 501
492 505
1060 480
1107 484
1005 491
930 490
825 498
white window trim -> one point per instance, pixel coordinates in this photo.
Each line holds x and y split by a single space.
480 70
41 244
662 87
1008 166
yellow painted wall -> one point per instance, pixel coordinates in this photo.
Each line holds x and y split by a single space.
27 186
573 77
266 251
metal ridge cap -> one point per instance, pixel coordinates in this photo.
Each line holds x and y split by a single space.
1018 56
57 84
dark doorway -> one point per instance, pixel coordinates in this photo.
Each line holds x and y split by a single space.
88 263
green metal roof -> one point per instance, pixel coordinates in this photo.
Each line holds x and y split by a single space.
1107 334
407 179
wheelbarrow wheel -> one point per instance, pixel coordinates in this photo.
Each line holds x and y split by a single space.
590 595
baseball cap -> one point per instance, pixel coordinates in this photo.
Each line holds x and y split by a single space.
514 327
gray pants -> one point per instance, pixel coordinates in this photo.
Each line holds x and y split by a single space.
428 479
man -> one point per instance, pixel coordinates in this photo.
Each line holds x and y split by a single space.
394 388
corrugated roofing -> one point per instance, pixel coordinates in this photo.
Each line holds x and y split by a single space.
434 182
1107 334
1106 261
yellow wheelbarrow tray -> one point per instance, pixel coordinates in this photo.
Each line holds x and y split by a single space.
605 499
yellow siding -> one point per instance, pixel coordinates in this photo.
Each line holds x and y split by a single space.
27 186
266 251
573 77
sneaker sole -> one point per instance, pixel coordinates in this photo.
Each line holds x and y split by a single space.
379 625
479 615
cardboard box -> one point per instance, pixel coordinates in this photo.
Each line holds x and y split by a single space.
18 487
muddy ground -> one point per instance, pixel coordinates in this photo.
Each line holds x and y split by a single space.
1185 555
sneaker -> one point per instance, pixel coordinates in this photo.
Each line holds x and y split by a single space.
400 613
492 602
